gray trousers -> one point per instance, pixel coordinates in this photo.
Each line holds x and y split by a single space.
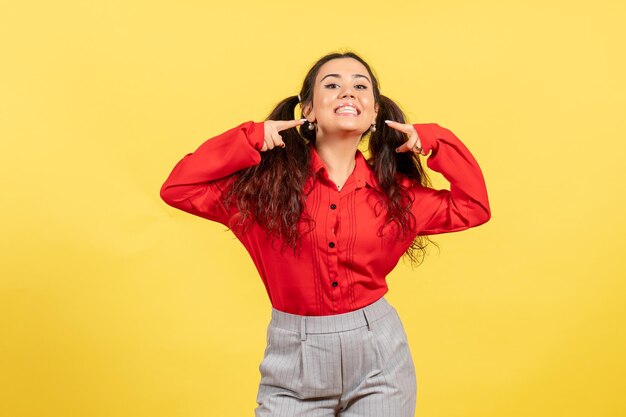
356 364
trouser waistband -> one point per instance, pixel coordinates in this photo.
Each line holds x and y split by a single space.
365 316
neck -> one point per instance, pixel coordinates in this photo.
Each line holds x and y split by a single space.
338 154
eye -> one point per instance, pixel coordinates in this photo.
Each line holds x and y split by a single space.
361 87
331 85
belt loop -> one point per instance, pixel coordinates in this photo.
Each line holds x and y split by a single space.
367 321
303 328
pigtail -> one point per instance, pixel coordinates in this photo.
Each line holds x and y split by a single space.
270 193
383 143
389 164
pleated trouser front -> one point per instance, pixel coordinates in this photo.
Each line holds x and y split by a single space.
356 364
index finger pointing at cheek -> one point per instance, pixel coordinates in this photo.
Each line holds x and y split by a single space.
406 128
288 124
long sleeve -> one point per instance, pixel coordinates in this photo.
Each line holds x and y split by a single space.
466 204
196 182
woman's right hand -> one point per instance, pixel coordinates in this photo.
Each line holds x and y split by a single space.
271 128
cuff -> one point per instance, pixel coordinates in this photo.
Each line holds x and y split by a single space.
256 134
426 133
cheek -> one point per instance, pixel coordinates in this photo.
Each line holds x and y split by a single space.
318 98
323 105
326 100
369 108
368 102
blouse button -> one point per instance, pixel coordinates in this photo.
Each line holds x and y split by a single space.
331 244
335 283
333 206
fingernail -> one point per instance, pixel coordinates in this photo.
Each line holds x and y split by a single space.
397 150
388 121
302 120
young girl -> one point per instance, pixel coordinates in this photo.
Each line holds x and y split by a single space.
324 226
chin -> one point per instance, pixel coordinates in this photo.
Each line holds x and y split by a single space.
346 127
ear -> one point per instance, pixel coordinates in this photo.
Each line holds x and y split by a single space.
376 108
308 112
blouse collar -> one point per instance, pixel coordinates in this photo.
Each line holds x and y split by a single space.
363 171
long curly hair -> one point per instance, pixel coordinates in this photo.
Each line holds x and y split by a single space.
272 192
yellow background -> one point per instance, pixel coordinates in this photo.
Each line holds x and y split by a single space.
114 304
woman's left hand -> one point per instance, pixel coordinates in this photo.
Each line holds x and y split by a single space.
413 144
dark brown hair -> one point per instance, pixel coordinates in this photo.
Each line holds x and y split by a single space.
271 193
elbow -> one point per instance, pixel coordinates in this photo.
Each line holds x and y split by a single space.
167 195
176 196
481 216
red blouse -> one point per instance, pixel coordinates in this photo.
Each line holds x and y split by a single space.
343 262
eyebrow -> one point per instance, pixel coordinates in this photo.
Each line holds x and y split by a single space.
339 76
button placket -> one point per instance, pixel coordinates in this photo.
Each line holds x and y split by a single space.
333 266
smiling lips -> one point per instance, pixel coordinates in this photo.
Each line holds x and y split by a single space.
347 110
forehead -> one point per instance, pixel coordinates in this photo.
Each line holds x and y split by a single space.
342 66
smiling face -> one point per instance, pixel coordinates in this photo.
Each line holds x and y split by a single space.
343 98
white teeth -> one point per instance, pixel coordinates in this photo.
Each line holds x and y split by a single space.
346 109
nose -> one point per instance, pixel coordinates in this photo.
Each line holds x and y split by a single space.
347 92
